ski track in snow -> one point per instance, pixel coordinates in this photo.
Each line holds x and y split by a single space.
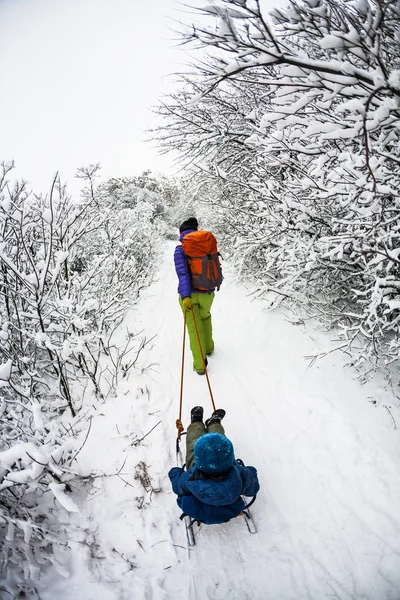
328 512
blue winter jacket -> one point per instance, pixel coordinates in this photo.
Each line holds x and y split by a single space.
185 288
213 501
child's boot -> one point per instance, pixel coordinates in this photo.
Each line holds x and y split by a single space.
216 417
196 414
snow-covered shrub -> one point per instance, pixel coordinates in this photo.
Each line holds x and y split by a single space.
290 130
151 196
69 269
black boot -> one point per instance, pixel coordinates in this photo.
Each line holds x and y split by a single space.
216 417
196 414
202 372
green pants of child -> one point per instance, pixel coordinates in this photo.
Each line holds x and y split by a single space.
201 309
194 431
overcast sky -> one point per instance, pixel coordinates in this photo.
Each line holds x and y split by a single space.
78 79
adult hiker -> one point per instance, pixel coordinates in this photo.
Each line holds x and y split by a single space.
199 274
211 488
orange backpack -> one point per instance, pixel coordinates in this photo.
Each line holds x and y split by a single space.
200 249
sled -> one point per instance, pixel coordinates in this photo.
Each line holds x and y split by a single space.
190 523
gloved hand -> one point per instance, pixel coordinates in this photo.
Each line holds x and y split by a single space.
187 304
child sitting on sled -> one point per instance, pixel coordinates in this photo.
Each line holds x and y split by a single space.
211 488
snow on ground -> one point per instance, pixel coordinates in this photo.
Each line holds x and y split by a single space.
328 459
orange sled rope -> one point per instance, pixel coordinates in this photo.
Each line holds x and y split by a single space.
179 425
204 361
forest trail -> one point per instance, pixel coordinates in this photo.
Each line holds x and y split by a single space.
328 461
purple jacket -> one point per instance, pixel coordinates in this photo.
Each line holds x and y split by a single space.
185 288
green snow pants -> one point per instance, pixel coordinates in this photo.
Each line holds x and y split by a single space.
201 308
194 431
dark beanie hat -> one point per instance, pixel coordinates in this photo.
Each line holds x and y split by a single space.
213 454
189 224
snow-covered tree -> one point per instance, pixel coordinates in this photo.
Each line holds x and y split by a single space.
291 126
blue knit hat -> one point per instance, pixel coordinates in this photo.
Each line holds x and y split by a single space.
213 454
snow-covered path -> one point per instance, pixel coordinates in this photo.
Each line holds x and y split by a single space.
328 459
